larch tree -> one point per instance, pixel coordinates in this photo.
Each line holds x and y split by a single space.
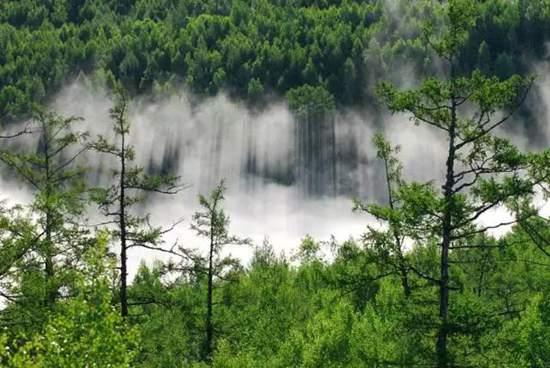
213 224
482 170
130 187
50 237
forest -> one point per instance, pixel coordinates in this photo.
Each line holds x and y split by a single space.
251 49
430 282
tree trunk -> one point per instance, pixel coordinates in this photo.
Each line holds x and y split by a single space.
442 335
122 226
403 273
209 326
51 291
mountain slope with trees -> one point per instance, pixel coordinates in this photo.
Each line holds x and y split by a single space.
251 49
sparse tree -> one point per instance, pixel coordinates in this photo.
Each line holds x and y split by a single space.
213 224
50 235
131 185
483 171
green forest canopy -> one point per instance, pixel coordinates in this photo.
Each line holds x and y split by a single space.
251 49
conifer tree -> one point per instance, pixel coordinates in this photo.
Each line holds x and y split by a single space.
213 224
49 238
131 184
482 170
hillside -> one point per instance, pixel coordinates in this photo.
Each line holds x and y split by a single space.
251 49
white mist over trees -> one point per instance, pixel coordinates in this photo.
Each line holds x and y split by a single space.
205 141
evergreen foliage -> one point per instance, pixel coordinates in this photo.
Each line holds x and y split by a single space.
250 49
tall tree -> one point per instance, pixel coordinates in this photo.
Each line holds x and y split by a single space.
131 183
51 172
213 224
483 171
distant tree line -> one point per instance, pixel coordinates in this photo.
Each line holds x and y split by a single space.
251 49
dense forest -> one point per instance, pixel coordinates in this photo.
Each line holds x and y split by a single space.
251 49
428 284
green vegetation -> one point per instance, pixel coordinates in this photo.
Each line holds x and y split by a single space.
127 191
252 49
431 287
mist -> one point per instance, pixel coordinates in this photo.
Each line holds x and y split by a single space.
283 182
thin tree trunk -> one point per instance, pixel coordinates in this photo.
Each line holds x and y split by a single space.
442 335
49 264
209 326
122 225
402 266
51 292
